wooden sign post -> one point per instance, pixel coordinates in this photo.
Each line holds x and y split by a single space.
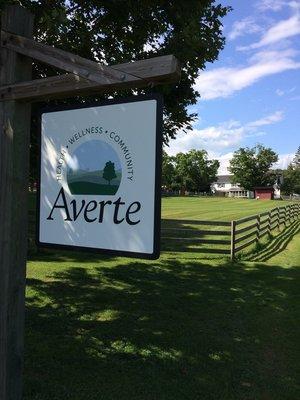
16 91
14 162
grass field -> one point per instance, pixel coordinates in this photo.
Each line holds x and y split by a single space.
214 208
289 256
177 212
181 327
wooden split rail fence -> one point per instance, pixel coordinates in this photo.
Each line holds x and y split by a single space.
219 237
233 236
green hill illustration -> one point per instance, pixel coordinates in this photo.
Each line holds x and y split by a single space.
84 177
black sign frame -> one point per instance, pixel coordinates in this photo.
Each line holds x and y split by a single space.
157 191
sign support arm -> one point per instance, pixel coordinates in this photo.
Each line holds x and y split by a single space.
64 60
157 70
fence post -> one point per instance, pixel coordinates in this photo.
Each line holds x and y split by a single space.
285 216
14 171
288 214
258 227
269 223
277 216
232 246
294 212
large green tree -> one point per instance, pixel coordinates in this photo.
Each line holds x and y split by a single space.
117 31
252 166
291 176
291 180
194 171
296 161
168 171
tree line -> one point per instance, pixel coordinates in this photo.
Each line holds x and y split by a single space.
191 171
249 167
291 176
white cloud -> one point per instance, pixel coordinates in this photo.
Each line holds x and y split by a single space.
276 5
223 82
273 5
226 135
282 30
268 120
222 136
224 161
281 92
243 27
284 160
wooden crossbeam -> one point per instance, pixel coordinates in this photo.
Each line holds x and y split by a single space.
63 60
157 70
66 61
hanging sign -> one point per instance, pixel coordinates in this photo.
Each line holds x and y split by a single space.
100 177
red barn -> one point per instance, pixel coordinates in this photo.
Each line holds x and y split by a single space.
264 193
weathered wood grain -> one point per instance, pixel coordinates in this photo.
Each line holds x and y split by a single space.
233 238
14 157
62 59
157 70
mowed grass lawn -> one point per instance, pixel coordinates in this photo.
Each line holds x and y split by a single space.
214 208
178 213
288 256
181 327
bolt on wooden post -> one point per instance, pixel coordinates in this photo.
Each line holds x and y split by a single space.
14 163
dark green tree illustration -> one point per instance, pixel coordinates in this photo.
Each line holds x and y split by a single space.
109 172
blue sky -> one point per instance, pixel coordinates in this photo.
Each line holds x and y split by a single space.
251 94
93 155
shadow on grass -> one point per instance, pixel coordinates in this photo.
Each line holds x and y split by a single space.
186 235
183 238
54 255
276 245
162 330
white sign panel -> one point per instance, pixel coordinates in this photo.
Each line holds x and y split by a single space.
100 177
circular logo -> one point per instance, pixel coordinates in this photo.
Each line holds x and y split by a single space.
94 168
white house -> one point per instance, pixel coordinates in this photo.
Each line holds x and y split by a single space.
224 186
